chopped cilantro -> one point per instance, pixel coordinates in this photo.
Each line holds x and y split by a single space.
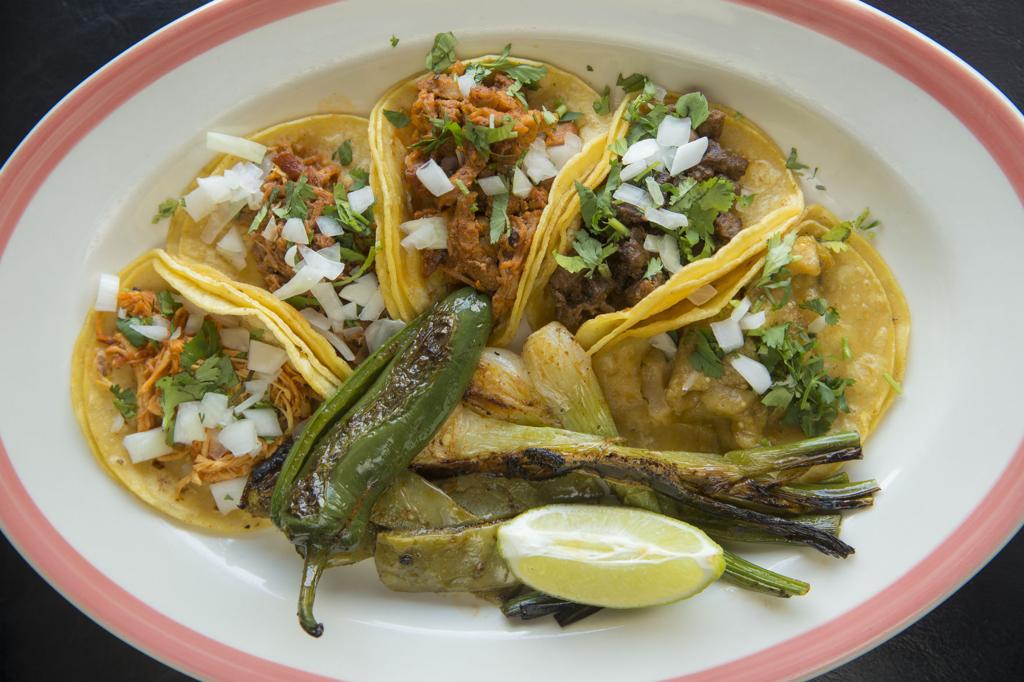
589 67
257 219
653 267
296 194
619 146
793 163
343 154
847 353
839 232
823 188
165 300
393 40
215 372
744 200
360 178
399 119
526 74
590 255
569 116
205 343
482 137
780 254
499 217
125 401
167 208
821 306
892 382
461 185
134 338
441 56
864 222
707 355
218 370
694 105
632 83
602 105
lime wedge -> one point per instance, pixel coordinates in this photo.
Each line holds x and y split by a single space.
616 557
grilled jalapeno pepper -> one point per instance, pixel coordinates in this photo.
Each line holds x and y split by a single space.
324 507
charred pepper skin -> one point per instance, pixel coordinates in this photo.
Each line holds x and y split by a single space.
325 508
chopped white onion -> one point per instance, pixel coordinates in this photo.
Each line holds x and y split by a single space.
317 319
199 203
176 334
219 217
236 146
659 92
350 310
673 131
258 387
247 403
231 247
702 295
246 183
689 155
272 230
380 331
294 230
343 350
521 184
214 410
537 165
434 179
300 283
728 334
235 338
373 308
328 299
239 437
818 325
492 185
654 189
117 423
146 445
361 290
561 154
633 170
291 255
667 249
741 309
753 372
425 233
641 150
156 332
121 314
188 425
361 199
227 494
753 321
265 358
106 294
329 226
665 344
326 267
266 422
332 252
466 83
631 194
665 218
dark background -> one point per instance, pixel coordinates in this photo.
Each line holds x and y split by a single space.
49 46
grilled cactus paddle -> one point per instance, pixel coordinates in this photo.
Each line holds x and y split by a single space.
323 501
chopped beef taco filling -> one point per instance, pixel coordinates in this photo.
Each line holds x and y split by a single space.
653 215
474 123
161 356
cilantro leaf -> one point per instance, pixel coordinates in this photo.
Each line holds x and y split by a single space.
360 178
619 146
393 40
780 254
694 105
441 56
343 154
821 306
632 83
257 219
125 401
205 343
134 338
165 300
482 137
744 200
653 267
218 371
296 194
847 353
174 390
591 255
707 355
780 397
864 222
399 119
167 208
499 216
793 163
602 105
526 74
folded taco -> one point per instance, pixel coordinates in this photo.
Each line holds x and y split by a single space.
289 213
809 338
473 162
181 392
690 191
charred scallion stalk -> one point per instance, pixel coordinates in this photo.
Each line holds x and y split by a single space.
754 577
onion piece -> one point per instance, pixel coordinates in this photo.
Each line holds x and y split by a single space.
236 146
702 295
214 411
753 321
492 185
741 309
665 218
235 338
272 230
361 290
818 325
117 423
317 319
294 230
466 82
188 425
689 155
673 131
155 332
328 299
291 255
106 293
434 178
641 150
239 437
326 267
300 283
728 334
654 189
373 308
350 310
537 165
753 372
332 252
328 226
665 344
425 233
560 154
246 182
521 185
378 332
265 358
343 350
266 422
667 249
633 170
232 248
631 194
227 494
361 199
146 445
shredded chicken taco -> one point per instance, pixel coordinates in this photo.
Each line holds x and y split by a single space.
181 393
473 162
807 339
289 213
690 191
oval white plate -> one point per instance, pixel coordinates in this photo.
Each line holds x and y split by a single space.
893 122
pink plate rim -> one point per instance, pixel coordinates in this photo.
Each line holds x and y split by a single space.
990 117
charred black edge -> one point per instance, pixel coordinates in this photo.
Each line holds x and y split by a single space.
260 486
